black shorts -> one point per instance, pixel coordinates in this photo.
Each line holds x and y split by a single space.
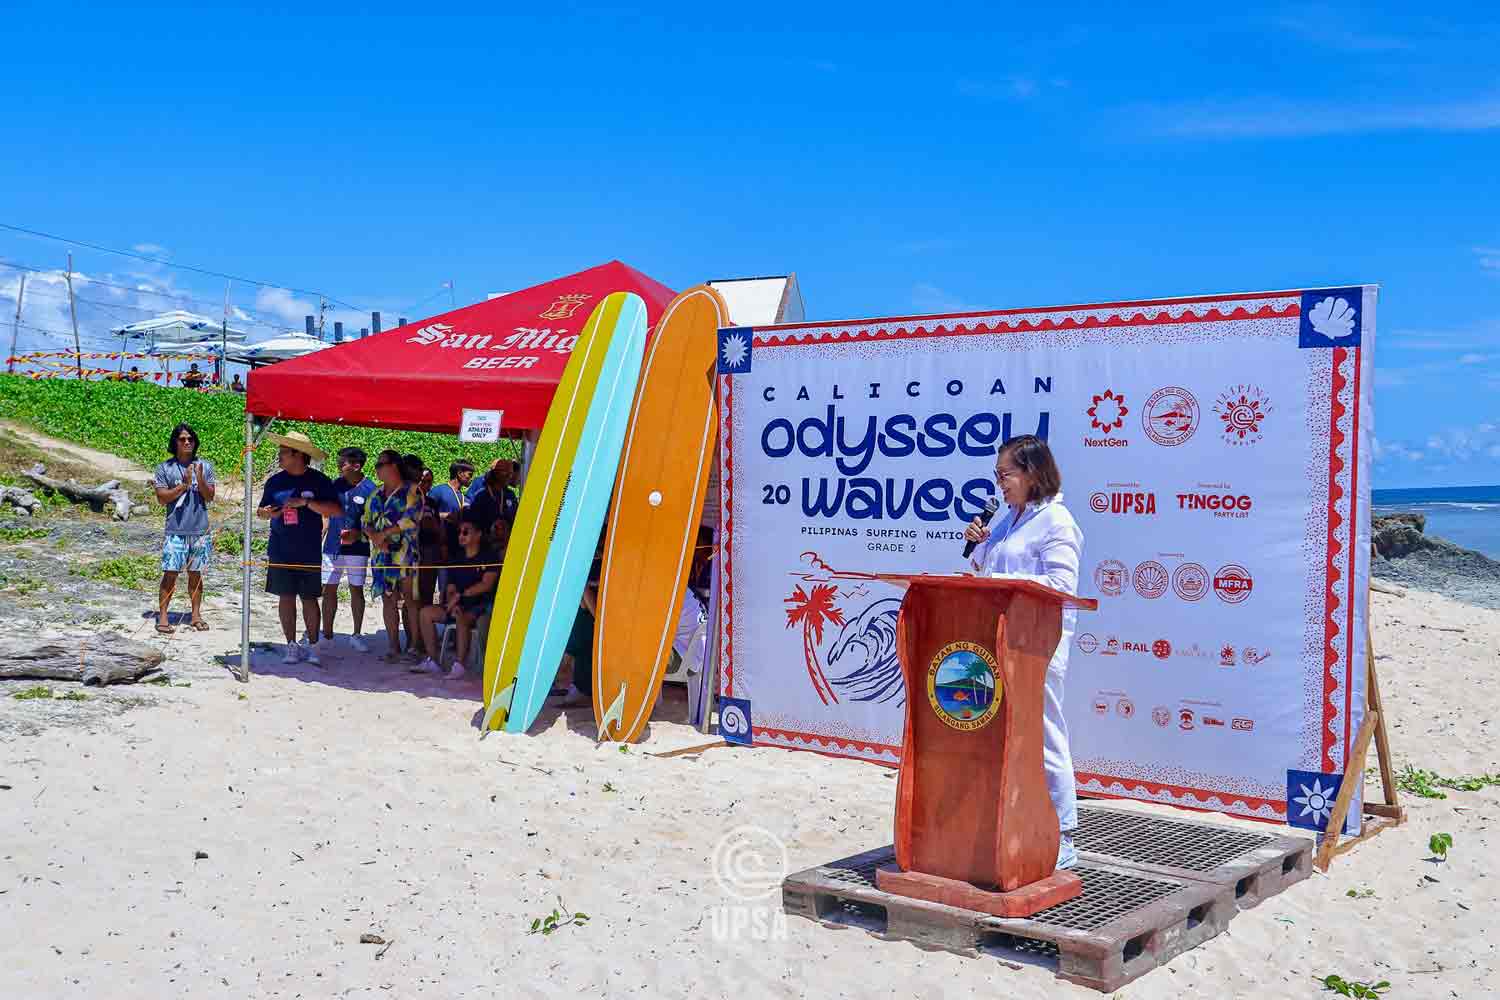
294 582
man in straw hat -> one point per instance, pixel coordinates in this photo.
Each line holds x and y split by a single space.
295 501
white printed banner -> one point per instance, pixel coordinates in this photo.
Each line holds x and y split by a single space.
1215 453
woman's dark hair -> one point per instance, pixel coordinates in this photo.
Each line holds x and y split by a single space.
172 441
411 467
1031 455
472 519
462 465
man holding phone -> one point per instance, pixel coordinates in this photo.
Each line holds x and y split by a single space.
185 486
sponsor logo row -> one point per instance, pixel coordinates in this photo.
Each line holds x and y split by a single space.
1171 415
1223 504
1184 718
1231 582
1228 655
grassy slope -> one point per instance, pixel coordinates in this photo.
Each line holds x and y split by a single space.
134 421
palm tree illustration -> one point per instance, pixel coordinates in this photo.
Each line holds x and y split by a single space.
976 673
811 611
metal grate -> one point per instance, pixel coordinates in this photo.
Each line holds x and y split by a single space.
1107 896
1143 839
859 870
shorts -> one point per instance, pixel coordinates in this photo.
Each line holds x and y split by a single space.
337 567
387 579
193 553
293 582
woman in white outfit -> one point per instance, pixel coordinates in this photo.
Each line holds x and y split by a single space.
1038 539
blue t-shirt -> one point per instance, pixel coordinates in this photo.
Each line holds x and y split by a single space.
298 542
352 498
445 499
188 514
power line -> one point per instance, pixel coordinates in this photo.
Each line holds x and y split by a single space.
168 263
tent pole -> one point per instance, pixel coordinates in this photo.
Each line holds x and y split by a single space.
249 525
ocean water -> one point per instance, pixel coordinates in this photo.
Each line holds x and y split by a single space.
1465 515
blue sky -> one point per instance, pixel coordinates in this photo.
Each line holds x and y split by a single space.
899 159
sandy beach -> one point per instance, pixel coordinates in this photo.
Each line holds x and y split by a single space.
217 839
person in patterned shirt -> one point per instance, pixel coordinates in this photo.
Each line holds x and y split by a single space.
392 515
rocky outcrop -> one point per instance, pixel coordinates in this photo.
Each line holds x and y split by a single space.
1406 554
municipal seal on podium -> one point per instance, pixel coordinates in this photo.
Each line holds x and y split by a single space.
963 686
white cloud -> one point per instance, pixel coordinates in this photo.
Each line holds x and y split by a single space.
285 306
151 249
1271 117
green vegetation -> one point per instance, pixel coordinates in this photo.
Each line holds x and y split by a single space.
1425 784
1438 844
227 542
133 420
1362 991
557 919
20 584
1360 893
17 533
39 692
137 572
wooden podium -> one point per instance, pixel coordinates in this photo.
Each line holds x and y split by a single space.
975 827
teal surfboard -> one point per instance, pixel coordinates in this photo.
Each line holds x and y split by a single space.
575 537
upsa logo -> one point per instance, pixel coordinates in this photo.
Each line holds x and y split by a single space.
1122 503
1220 504
1106 415
1242 410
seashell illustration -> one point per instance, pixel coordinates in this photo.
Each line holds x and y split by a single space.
1332 317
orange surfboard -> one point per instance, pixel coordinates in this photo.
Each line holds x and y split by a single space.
653 524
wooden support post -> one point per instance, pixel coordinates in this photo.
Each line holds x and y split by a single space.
1379 816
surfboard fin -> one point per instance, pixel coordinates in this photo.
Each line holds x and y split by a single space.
615 713
501 702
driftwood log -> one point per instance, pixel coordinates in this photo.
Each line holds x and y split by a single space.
110 492
90 659
20 498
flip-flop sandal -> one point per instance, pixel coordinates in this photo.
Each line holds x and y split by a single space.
200 626
164 629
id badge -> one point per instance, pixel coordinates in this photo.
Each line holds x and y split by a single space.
289 515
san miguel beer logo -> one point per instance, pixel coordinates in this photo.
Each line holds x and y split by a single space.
963 686
565 306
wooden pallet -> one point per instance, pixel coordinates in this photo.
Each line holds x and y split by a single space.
1258 865
1125 924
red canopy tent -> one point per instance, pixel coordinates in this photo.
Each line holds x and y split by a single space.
505 354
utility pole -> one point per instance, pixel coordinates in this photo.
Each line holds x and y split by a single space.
224 337
73 311
322 308
15 331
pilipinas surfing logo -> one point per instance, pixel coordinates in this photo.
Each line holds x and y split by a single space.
963 686
564 306
1242 409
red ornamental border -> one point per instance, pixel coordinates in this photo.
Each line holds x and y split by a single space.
876 330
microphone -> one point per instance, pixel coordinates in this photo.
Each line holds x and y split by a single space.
990 506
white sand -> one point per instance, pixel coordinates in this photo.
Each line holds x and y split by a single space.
358 799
